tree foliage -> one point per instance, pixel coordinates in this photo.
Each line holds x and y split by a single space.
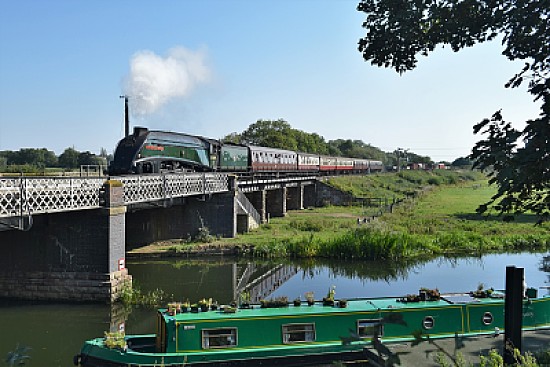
400 30
29 156
32 159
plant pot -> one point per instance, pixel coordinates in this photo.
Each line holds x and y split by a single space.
422 295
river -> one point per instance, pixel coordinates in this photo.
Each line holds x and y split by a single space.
55 332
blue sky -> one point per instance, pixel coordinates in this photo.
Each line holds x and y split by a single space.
64 64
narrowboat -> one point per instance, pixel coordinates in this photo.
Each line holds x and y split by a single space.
303 334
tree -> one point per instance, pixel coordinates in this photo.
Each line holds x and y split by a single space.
462 162
399 30
270 133
87 158
232 138
69 158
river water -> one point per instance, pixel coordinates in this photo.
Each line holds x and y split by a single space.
55 332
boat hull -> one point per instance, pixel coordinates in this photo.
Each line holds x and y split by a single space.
257 336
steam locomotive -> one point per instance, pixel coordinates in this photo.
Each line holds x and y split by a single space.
148 151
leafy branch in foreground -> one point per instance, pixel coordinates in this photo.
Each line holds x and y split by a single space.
522 174
399 30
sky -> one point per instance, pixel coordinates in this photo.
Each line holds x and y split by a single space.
213 67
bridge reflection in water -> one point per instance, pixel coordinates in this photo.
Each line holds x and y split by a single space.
219 279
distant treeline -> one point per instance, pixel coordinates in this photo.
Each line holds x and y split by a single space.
35 160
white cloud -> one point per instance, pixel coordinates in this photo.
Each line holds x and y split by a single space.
154 80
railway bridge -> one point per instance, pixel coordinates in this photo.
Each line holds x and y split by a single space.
65 238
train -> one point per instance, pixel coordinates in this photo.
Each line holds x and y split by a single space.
150 151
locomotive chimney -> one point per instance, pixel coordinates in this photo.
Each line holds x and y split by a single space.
126 116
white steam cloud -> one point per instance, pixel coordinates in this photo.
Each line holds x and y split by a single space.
154 80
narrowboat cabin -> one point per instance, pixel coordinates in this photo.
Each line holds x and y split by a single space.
302 334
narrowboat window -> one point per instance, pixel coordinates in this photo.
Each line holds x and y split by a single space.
298 333
219 338
428 322
369 328
487 318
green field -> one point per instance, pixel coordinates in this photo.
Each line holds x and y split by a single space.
436 215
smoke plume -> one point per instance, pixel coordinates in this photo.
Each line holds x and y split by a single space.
154 80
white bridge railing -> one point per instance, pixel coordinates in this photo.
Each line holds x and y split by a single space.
24 196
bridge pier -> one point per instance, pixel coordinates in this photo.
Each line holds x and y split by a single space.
276 202
295 197
258 200
69 256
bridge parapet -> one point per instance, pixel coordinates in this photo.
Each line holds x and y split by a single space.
25 196
20 196
139 189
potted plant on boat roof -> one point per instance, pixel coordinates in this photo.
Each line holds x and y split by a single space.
204 304
310 298
172 308
343 303
244 299
480 292
297 302
214 305
427 294
229 309
115 340
274 302
329 299
185 306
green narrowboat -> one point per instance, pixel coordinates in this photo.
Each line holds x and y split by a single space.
299 335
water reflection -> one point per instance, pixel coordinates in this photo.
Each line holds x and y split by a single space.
55 332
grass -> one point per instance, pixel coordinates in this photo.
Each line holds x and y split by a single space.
436 217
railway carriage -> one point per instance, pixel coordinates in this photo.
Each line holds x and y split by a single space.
344 164
360 165
308 162
272 160
376 166
234 158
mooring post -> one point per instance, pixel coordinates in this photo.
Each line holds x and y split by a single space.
513 312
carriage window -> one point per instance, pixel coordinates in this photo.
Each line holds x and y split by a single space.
369 328
219 338
298 333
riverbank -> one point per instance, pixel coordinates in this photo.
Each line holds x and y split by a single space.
436 216
469 349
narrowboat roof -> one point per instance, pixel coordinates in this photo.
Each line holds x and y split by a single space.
355 305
